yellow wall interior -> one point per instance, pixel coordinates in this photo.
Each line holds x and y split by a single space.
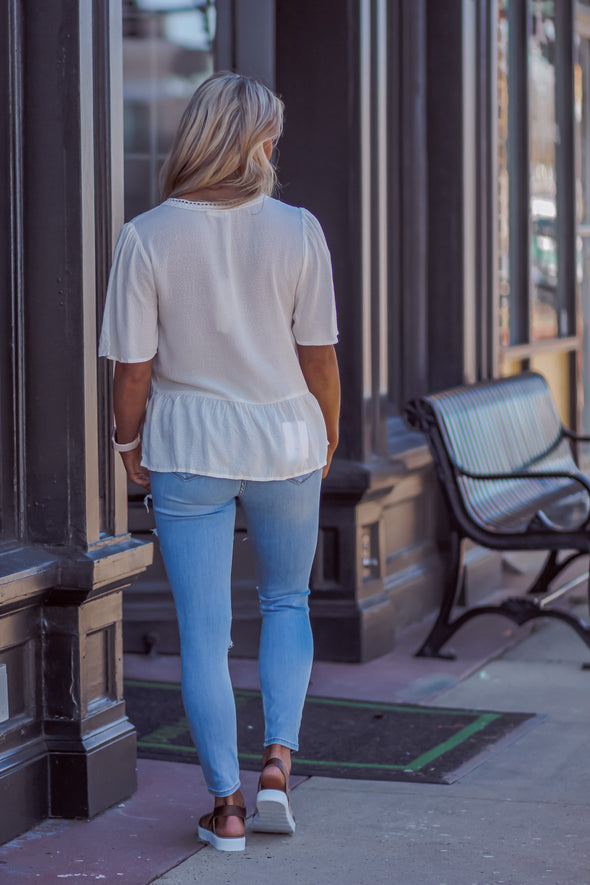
555 368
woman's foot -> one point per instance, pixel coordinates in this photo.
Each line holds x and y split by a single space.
223 828
273 810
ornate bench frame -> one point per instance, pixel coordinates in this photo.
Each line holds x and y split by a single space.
429 414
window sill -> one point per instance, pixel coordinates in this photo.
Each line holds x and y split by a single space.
27 571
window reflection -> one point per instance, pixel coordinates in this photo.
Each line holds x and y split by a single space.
503 176
543 139
167 52
582 159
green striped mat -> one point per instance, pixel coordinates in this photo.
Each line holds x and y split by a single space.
338 738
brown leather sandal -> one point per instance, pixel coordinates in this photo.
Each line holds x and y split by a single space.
273 809
207 832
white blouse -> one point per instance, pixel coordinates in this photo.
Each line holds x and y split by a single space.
219 298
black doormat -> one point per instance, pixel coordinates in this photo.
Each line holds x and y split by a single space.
338 738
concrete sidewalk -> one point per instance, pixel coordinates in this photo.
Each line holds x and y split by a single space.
520 818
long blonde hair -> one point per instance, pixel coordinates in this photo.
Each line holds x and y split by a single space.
219 141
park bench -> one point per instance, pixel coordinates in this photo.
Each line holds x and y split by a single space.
509 475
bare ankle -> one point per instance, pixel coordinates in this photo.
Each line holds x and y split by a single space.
277 750
236 798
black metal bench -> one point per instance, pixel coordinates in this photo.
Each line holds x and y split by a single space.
511 482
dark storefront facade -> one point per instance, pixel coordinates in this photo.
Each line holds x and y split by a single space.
444 146
355 152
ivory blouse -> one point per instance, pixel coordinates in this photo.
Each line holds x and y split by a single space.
219 298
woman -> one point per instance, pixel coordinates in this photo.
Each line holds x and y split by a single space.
220 314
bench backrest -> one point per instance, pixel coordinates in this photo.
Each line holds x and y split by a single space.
505 426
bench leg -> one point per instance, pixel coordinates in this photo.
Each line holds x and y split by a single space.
443 629
518 609
551 568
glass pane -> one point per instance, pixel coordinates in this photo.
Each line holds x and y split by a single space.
138 175
167 52
503 177
582 137
136 123
545 322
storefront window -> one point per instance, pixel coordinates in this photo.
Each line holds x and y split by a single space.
503 177
545 321
534 291
582 137
536 265
168 48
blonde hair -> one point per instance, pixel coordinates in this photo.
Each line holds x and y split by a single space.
219 141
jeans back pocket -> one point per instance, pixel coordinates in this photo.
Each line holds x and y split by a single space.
299 480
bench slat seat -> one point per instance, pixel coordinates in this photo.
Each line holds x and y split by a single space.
505 514
510 480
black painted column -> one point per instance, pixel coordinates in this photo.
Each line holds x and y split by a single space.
445 194
353 77
67 748
318 74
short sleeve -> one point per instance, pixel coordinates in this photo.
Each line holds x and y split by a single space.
314 316
130 321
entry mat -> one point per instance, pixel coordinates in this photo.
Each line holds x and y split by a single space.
338 738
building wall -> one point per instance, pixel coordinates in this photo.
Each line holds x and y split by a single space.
66 747
355 152
392 140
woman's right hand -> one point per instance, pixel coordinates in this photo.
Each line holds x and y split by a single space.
329 456
320 370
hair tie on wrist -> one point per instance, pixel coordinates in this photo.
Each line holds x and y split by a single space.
124 447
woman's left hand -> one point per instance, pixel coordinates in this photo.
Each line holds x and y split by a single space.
135 472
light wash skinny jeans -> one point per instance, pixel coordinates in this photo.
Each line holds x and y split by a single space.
195 518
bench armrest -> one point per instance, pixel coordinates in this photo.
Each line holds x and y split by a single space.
576 437
557 474
549 474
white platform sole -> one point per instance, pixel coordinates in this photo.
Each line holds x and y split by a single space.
273 814
221 843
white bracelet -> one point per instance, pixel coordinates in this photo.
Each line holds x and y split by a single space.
124 447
